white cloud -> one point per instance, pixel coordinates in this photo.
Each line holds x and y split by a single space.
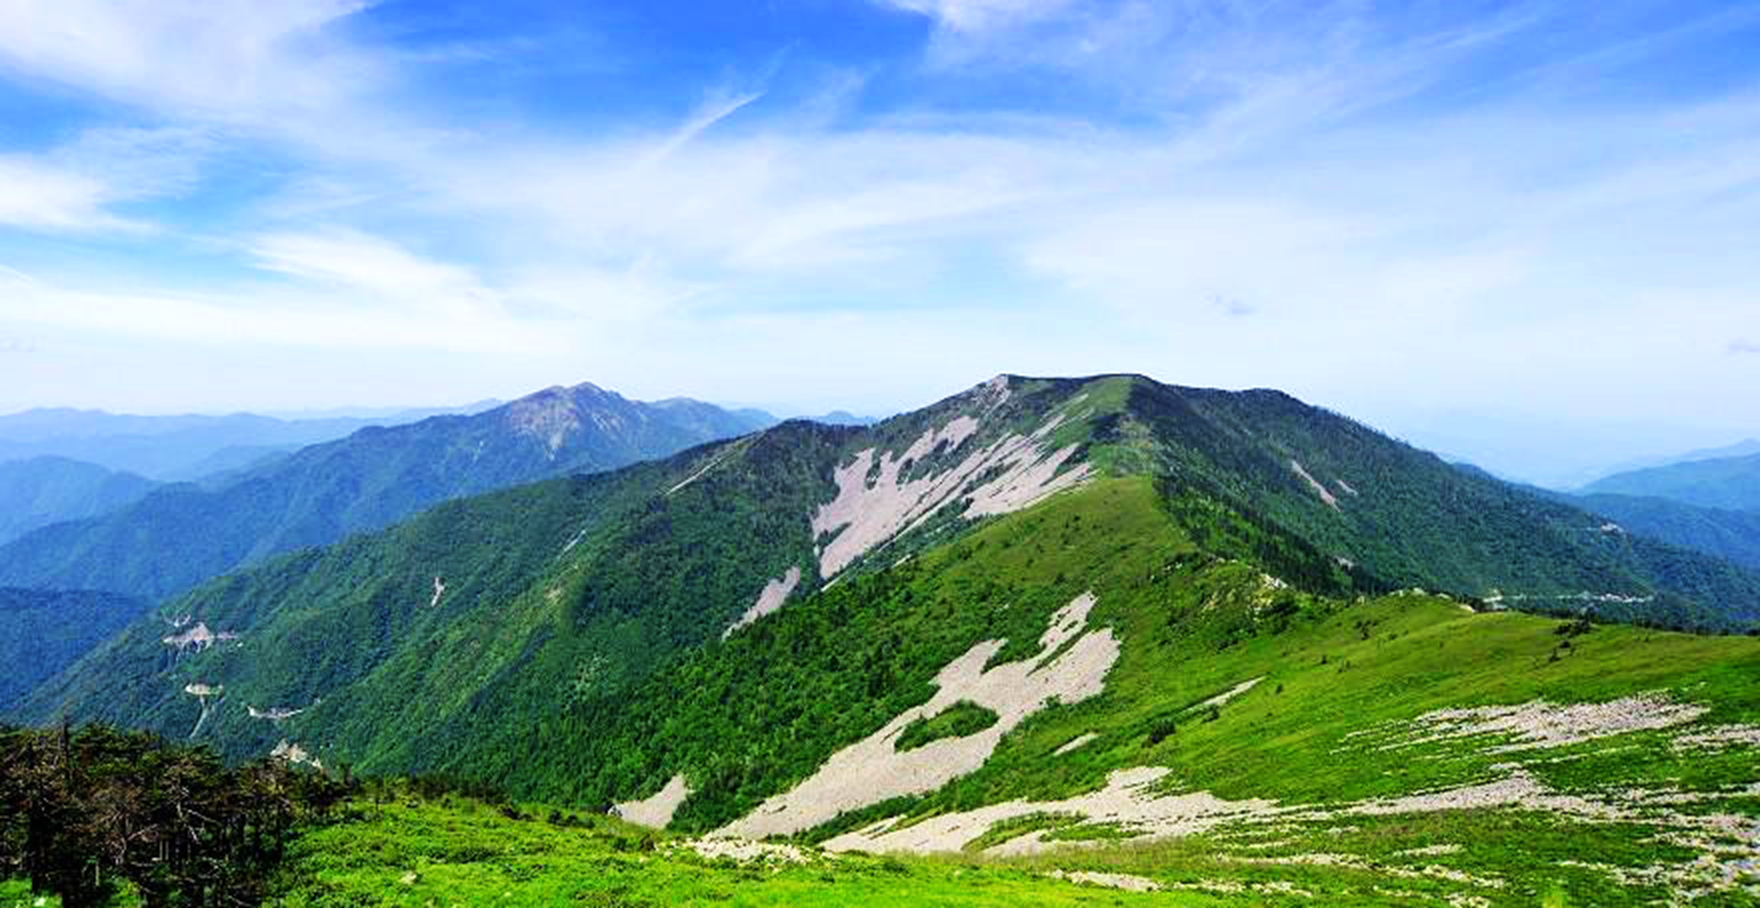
230 60
272 317
977 15
355 261
39 196
75 186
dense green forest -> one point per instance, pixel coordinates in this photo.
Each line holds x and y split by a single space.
45 631
90 813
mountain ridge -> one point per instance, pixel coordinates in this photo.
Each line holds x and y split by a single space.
1730 483
44 490
180 535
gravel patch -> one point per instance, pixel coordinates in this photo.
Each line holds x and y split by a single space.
1074 744
1539 724
655 811
866 514
874 770
1320 490
770 599
1125 881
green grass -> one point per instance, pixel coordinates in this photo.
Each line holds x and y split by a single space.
463 853
957 721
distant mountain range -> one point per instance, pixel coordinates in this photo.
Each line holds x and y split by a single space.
1741 448
177 536
174 448
841 418
44 490
1731 483
1727 534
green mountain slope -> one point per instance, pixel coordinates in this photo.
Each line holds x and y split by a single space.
42 632
182 535
44 490
424 646
1411 519
1251 745
1730 483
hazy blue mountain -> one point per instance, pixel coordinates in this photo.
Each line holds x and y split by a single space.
158 447
224 465
1741 448
44 490
181 535
1734 535
1731 483
388 415
44 631
1731 535
842 418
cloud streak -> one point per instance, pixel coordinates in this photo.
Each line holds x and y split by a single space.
226 61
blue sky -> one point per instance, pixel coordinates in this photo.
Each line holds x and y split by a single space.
1424 214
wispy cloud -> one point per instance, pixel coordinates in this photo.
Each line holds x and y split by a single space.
76 187
234 61
41 196
977 15
1169 169
353 261
1744 347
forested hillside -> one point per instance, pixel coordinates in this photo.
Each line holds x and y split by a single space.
1734 535
44 631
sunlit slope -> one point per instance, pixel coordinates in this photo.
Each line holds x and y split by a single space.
1246 732
1249 743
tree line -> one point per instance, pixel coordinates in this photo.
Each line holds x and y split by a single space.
85 812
